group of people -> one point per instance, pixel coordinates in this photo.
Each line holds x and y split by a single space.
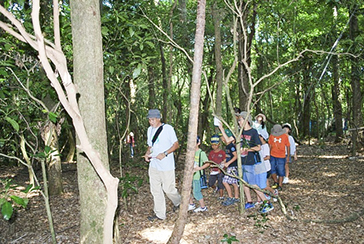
263 156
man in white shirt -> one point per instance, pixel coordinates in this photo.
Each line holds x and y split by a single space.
162 142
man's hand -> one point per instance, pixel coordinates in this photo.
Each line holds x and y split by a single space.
161 156
147 157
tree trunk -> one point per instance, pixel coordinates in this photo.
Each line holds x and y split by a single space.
192 125
151 97
336 100
245 39
54 164
88 76
219 76
72 145
357 120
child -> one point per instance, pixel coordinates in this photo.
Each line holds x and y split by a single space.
231 165
259 125
288 129
200 156
250 144
263 172
279 145
218 156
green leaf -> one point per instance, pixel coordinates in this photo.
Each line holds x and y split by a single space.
137 71
111 69
2 201
13 123
7 210
131 32
28 188
47 149
52 117
21 201
104 31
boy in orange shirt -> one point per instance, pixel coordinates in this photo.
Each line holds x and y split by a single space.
279 143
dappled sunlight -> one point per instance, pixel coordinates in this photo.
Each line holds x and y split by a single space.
329 174
158 234
324 156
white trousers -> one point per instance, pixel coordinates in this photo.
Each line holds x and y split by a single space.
163 182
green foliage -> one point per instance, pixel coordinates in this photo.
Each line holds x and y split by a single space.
261 221
229 238
8 202
129 185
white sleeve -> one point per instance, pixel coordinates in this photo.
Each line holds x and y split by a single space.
292 145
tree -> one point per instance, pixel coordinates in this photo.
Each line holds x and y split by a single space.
67 96
192 125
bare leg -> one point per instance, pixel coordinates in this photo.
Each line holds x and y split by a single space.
202 203
228 189
236 190
287 169
274 177
247 194
280 181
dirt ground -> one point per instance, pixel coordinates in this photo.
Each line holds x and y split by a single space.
325 195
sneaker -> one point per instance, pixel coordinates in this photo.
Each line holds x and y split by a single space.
266 208
229 201
153 217
249 205
285 180
279 188
258 203
199 209
236 199
221 198
191 207
275 198
275 185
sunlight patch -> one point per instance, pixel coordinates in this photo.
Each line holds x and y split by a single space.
329 174
158 235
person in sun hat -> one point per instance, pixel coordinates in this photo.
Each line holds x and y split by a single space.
162 142
293 154
218 156
259 125
279 145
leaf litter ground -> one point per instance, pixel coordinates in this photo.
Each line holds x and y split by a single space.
325 194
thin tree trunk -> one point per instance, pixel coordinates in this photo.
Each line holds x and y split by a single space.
54 164
192 125
336 100
218 60
357 120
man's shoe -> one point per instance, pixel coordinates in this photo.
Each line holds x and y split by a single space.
199 209
153 217
275 185
191 207
175 208
279 188
249 205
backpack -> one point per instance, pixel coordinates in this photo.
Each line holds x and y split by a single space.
203 181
